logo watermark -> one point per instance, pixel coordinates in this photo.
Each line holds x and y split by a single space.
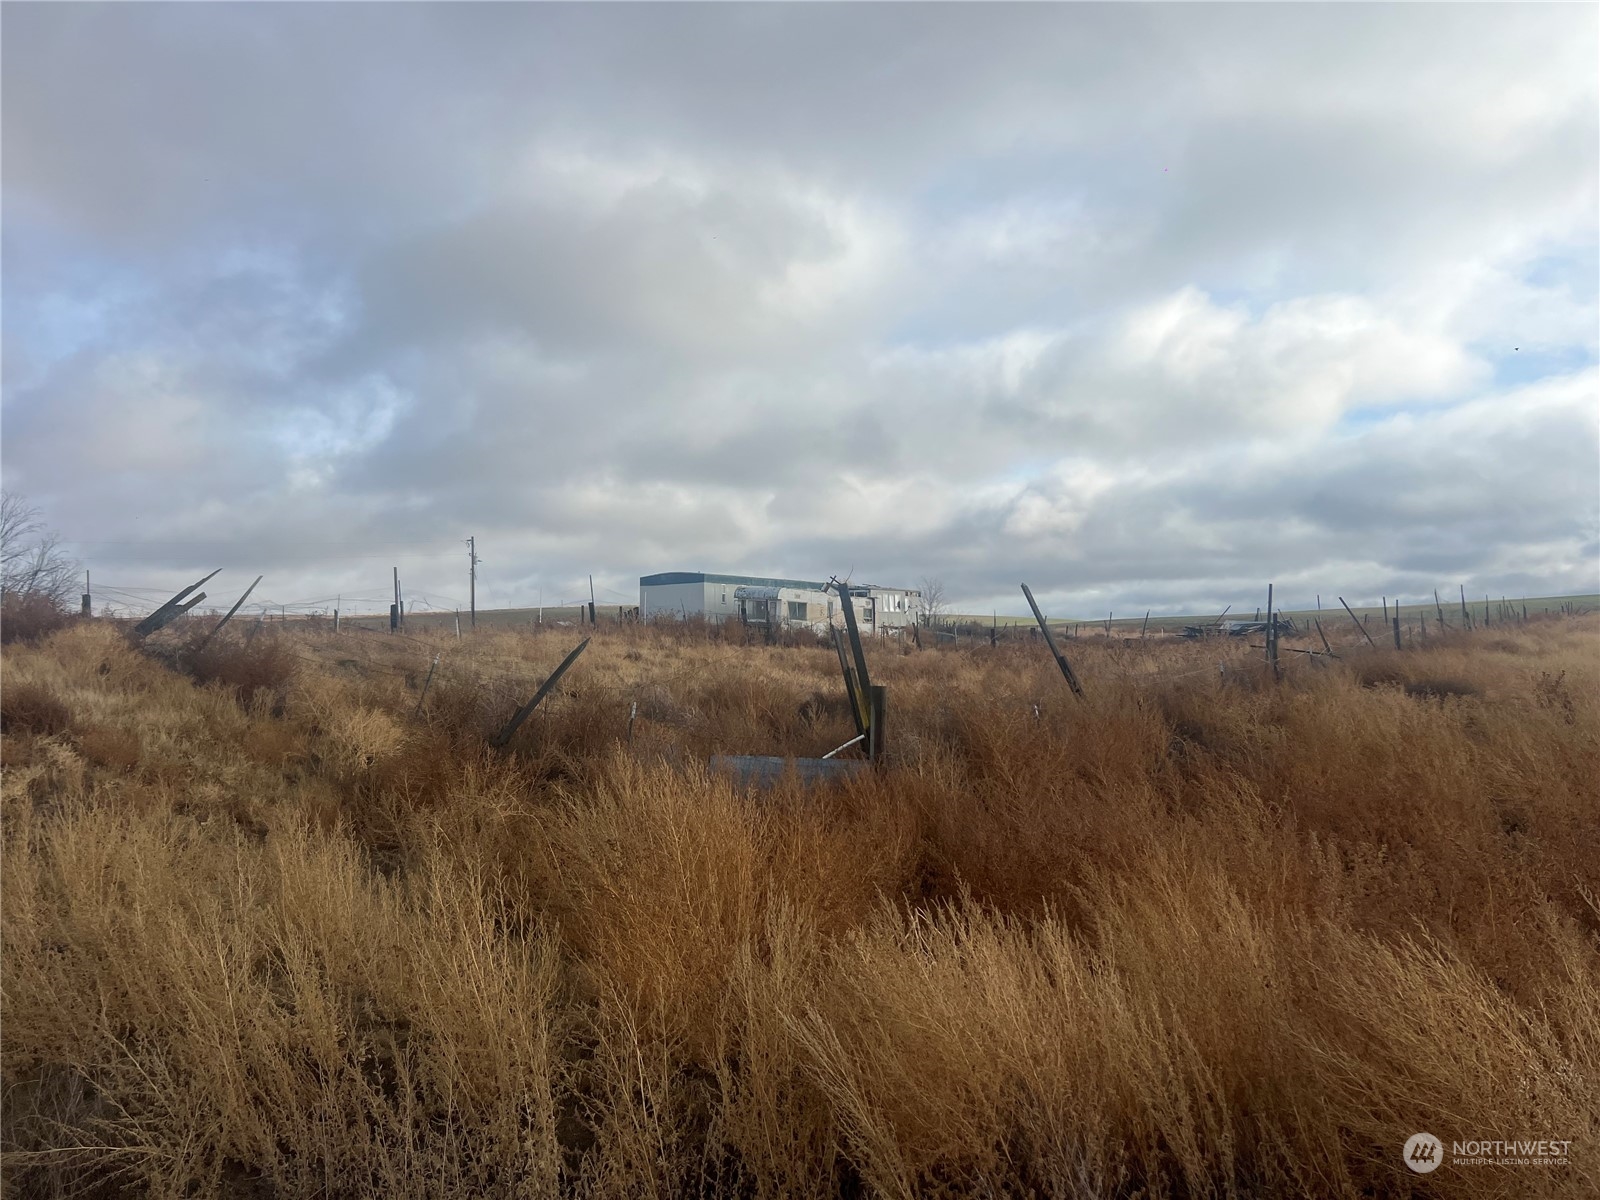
1423 1152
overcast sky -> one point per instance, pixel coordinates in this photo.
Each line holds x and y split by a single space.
1148 306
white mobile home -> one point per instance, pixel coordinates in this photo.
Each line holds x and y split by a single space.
789 603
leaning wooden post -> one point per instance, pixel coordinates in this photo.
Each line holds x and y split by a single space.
863 678
1358 624
1466 617
171 610
236 605
426 684
1143 629
856 715
522 714
1061 659
1397 632
1324 637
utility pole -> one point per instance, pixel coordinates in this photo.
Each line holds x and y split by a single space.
472 562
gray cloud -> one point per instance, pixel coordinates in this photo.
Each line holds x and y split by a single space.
1149 304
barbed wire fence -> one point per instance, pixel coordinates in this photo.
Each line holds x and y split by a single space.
1119 659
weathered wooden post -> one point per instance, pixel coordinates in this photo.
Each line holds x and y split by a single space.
1272 637
522 714
863 681
171 610
215 629
1358 624
858 716
1326 648
426 684
878 701
1061 659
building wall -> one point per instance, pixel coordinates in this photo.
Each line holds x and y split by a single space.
673 600
719 601
896 607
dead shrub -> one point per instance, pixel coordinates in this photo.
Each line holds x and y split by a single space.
252 667
1551 691
27 707
116 749
29 616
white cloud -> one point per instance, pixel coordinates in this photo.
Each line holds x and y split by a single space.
1145 301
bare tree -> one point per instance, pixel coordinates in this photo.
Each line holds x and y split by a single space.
31 558
932 600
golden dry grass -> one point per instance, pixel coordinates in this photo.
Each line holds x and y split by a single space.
276 933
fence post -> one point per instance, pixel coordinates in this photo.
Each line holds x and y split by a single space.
1061 659
237 604
1272 638
522 713
878 699
1358 624
426 684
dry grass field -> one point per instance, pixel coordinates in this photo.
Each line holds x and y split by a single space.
270 931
